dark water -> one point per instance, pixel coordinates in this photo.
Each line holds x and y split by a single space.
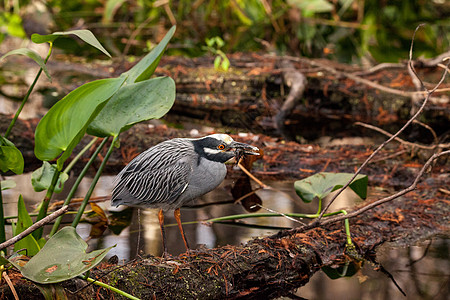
422 270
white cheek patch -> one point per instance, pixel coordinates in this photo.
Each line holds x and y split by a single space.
212 151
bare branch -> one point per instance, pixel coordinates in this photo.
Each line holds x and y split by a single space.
35 226
394 196
418 112
369 206
436 140
428 147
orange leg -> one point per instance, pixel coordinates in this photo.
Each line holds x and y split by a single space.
163 232
177 214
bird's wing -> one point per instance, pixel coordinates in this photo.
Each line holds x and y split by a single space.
161 185
158 175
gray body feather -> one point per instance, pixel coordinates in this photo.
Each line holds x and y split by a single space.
166 176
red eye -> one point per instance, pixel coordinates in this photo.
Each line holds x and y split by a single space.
221 147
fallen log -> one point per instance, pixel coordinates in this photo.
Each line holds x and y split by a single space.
281 160
267 268
253 92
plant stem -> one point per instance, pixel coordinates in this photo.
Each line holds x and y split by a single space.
347 229
78 156
77 183
320 207
111 288
258 215
25 99
2 220
44 207
94 183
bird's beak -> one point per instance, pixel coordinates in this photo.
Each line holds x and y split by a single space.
248 149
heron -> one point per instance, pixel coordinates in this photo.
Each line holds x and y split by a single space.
176 172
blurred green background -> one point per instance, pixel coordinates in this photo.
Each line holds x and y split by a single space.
350 31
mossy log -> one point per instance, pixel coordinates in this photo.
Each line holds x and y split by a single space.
281 160
265 267
270 267
252 93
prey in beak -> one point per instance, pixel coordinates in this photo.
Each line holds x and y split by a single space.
241 149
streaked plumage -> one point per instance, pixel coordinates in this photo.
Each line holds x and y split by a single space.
175 172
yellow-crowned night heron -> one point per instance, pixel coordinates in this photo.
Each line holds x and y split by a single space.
175 172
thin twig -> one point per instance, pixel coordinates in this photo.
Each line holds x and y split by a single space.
428 147
390 156
264 186
35 226
418 112
361 80
10 284
387 199
238 200
279 213
354 77
436 140
444 191
134 34
379 67
369 206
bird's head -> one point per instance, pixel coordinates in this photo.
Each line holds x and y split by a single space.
221 147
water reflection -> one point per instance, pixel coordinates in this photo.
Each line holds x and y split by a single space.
422 271
282 198
425 279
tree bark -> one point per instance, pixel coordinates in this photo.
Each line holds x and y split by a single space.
266 268
256 87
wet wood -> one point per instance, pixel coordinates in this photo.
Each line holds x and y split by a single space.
257 87
267 268
281 159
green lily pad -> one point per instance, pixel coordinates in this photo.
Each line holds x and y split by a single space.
322 184
63 257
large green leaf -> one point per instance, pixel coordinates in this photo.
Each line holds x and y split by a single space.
145 68
23 222
84 34
65 123
322 184
10 157
63 257
41 178
132 104
31 54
